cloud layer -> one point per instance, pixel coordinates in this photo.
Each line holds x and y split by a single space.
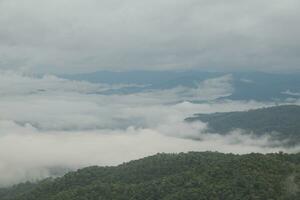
85 35
48 123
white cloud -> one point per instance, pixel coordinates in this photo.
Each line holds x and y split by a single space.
27 154
246 80
288 92
68 105
12 83
210 89
66 126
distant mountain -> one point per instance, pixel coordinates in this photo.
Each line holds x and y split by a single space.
191 176
281 121
154 78
264 86
248 85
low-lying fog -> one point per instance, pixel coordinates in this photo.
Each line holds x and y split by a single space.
48 123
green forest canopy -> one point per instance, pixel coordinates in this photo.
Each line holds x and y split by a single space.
194 175
283 122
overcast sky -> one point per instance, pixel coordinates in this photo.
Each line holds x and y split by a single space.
70 36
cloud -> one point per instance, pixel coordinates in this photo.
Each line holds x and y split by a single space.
210 89
67 36
49 125
288 92
29 154
51 103
246 80
13 83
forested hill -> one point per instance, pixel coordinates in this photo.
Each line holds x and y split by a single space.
284 120
192 176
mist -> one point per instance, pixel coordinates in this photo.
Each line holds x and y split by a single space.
51 123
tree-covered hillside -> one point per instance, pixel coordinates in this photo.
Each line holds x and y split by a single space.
181 176
281 121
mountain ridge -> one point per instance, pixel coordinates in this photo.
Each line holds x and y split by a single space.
282 122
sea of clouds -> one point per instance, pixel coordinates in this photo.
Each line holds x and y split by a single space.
51 123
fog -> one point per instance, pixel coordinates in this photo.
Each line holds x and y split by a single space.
48 123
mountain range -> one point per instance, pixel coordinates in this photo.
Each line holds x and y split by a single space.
258 86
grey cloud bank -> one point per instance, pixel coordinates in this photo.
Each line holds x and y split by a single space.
69 36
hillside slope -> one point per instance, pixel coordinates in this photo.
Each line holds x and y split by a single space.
281 121
182 176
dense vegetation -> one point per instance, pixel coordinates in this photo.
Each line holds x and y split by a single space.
283 122
181 176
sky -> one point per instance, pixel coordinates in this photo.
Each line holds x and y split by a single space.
74 36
